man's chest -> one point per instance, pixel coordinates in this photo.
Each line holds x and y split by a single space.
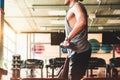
70 15
71 18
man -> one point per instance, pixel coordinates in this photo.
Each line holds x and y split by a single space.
76 27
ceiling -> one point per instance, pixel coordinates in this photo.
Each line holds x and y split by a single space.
48 15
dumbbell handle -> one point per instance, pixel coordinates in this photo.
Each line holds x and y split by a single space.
67 45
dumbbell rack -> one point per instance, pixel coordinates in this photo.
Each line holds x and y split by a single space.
16 63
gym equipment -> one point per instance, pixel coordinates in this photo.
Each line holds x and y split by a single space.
106 48
57 38
100 78
95 45
32 64
111 37
16 66
55 63
114 63
94 63
42 79
70 45
3 72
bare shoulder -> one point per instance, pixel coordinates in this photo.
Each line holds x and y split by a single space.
79 7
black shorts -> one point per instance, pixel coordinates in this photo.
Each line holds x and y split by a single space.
78 65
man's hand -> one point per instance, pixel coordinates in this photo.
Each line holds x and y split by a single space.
65 44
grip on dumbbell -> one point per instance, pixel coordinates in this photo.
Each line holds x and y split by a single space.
61 45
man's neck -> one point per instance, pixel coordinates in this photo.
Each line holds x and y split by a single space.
72 4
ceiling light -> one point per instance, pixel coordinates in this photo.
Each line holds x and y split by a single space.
116 12
100 27
98 0
113 21
57 21
62 12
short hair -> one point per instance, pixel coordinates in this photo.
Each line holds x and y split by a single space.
80 0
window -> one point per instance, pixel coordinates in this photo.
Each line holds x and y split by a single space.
9 43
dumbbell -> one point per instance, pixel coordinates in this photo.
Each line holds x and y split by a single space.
70 45
61 45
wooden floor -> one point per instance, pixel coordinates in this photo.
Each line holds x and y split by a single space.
36 79
89 78
42 79
101 78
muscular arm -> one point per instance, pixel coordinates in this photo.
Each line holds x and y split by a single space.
77 20
81 21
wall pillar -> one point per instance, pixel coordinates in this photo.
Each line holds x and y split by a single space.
1 31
